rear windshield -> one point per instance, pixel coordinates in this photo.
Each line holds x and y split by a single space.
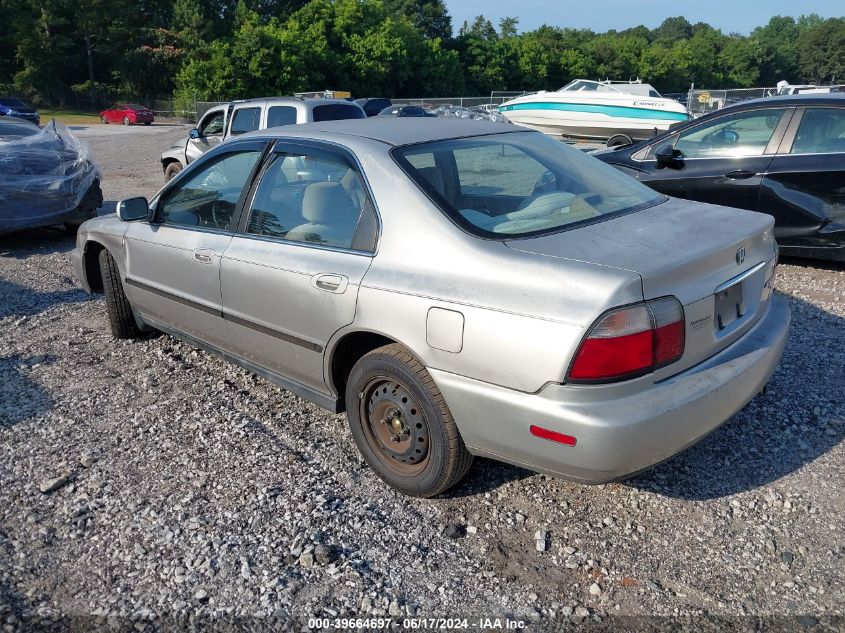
135 106
520 184
336 111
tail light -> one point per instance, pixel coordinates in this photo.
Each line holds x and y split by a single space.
628 342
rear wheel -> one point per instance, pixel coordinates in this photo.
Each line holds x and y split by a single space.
402 425
122 320
171 170
104 120
618 140
126 120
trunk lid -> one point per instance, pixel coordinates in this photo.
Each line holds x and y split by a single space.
715 260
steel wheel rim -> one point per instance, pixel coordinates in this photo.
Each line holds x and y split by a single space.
394 426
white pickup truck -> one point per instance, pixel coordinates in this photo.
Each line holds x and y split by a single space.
238 117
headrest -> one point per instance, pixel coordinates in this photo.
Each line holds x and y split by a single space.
432 176
325 201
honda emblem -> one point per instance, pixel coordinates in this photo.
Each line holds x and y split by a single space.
740 255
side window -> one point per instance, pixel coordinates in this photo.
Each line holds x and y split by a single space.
822 131
245 120
207 199
317 199
741 134
212 124
281 115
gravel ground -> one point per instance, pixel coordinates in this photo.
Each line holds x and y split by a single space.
145 483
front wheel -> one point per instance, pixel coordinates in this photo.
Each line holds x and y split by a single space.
401 424
171 170
121 319
147 122
104 120
126 120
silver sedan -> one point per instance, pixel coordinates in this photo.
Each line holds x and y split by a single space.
459 288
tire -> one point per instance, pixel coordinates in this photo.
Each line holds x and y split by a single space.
171 170
385 388
122 320
104 120
126 121
618 140
148 122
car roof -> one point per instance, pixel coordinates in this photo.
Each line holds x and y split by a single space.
813 98
314 101
393 130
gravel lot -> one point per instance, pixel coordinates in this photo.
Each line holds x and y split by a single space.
188 488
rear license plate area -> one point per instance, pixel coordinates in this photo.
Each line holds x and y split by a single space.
729 306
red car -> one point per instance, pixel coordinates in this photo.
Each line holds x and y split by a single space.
127 113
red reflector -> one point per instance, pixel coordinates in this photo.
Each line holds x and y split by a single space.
554 436
608 358
670 343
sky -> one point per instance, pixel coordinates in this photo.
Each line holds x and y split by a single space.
740 16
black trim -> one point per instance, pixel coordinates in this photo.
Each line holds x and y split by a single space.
174 297
332 403
288 338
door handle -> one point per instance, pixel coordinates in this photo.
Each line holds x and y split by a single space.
204 255
330 282
740 174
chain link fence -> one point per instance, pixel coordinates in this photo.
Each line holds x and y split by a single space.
704 101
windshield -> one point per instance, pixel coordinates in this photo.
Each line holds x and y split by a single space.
585 84
12 129
135 106
337 111
520 184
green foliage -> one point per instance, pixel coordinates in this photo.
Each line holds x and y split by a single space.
221 49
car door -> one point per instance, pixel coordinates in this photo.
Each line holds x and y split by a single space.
721 161
291 274
804 188
246 117
173 262
210 128
113 115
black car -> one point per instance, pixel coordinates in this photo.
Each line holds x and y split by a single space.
784 156
14 107
373 105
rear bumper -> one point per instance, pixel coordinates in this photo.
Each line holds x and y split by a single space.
616 437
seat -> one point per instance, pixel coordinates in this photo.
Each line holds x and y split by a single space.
331 213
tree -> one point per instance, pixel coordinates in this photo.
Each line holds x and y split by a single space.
821 51
429 17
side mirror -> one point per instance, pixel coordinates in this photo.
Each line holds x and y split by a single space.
668 156
194 133
133 209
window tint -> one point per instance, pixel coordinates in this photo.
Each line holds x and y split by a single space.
336 111
212 124
822 131
209 196
520 183
309 198
281 115
741 134
245 120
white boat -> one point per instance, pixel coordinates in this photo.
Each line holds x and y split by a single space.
596 110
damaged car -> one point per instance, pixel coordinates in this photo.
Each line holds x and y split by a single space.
784 156
47 177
